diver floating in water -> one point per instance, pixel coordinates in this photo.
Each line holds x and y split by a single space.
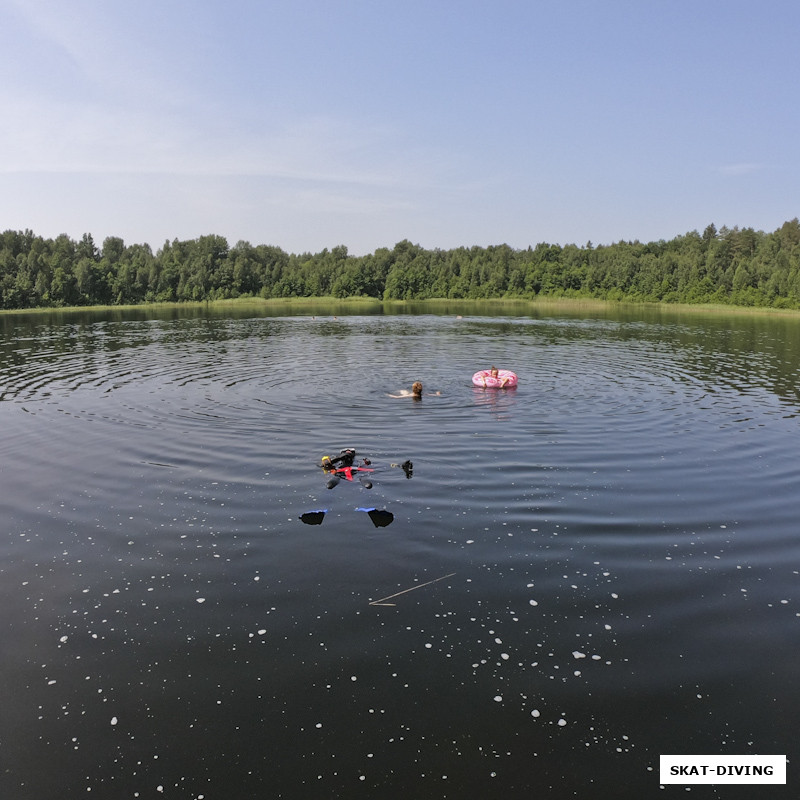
344 466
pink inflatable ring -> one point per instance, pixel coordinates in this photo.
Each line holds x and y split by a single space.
505 379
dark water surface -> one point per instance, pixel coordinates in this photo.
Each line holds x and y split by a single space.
604 562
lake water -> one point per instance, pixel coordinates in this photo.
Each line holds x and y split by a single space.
581 574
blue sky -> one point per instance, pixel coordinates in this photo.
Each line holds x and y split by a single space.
313 124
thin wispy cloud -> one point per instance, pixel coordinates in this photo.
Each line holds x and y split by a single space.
127 114
745 168
55 139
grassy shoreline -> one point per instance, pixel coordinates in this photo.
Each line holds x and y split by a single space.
360 303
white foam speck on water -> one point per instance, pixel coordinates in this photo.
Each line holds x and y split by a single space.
561 723
498 698
536 713
114 720
534 602
201 599
578 654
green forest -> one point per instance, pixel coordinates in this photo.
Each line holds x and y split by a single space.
736 266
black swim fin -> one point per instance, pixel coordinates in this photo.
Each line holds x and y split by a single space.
380 517
313 517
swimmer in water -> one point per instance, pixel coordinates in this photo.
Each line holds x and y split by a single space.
416 391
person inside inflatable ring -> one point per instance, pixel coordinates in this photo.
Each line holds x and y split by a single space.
495 373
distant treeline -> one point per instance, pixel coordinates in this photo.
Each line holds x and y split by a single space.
734 266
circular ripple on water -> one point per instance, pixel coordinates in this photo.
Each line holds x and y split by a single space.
243 374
